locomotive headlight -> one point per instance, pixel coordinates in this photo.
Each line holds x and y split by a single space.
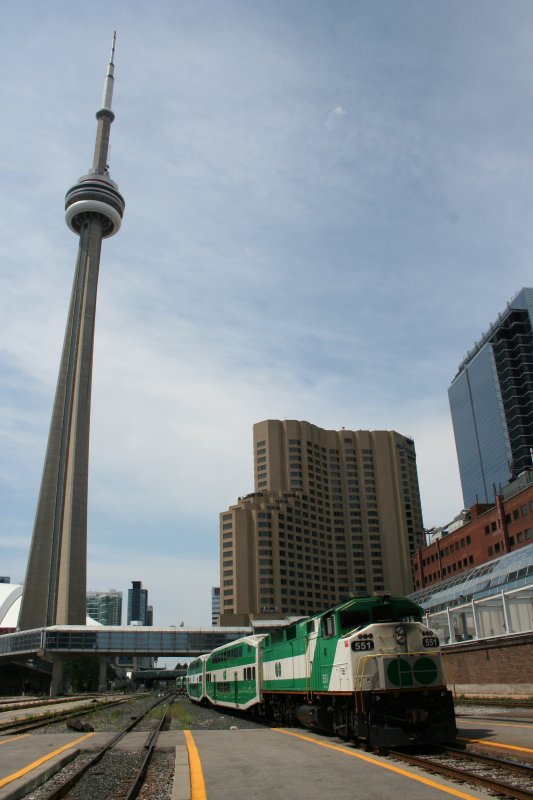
399 634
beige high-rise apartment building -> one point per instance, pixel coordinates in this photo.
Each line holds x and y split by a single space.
334 514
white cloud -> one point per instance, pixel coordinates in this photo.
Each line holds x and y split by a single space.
320 220
334 116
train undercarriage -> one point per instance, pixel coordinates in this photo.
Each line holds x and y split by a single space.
380 719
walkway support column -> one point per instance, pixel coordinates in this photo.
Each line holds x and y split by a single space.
102 674
57 685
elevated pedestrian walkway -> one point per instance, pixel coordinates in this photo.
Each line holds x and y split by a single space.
114 641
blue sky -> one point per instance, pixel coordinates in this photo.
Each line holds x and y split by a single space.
326 205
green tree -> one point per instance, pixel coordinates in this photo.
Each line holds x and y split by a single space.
82 673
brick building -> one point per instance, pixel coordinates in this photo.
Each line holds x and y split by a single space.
488 531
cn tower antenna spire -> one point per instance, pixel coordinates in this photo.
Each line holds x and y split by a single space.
110 77
105 116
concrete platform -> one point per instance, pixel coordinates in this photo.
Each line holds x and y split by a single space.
292 764
27 761
499 738
244 764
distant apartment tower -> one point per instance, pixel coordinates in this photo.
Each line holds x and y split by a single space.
138 609
105 607
334 514
491 402
215 604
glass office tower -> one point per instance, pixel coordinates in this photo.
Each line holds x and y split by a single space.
138 609
105 607
491 402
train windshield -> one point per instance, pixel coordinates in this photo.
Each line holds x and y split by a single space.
395 613
352 618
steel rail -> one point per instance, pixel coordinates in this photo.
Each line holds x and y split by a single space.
518 766
20 726
36 702
494 785
70 782
150 749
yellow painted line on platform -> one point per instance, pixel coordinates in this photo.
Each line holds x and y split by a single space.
195 769
16 738
29 767
497 744
479 720
398 770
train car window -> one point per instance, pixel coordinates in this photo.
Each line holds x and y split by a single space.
290 633
310 626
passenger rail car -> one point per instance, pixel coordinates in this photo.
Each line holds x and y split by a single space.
368 669
196 679
232 674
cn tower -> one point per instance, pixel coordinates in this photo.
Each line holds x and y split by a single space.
55 585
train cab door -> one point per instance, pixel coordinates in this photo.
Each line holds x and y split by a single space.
310 646
236 689
326 646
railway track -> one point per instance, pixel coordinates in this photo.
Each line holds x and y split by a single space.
123 774
504 778
23 725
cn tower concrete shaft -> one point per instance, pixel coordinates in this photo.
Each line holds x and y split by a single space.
55 586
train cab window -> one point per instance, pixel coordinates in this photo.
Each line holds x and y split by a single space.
328 626
354 618
395 613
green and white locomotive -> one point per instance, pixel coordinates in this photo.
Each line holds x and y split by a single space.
367 669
